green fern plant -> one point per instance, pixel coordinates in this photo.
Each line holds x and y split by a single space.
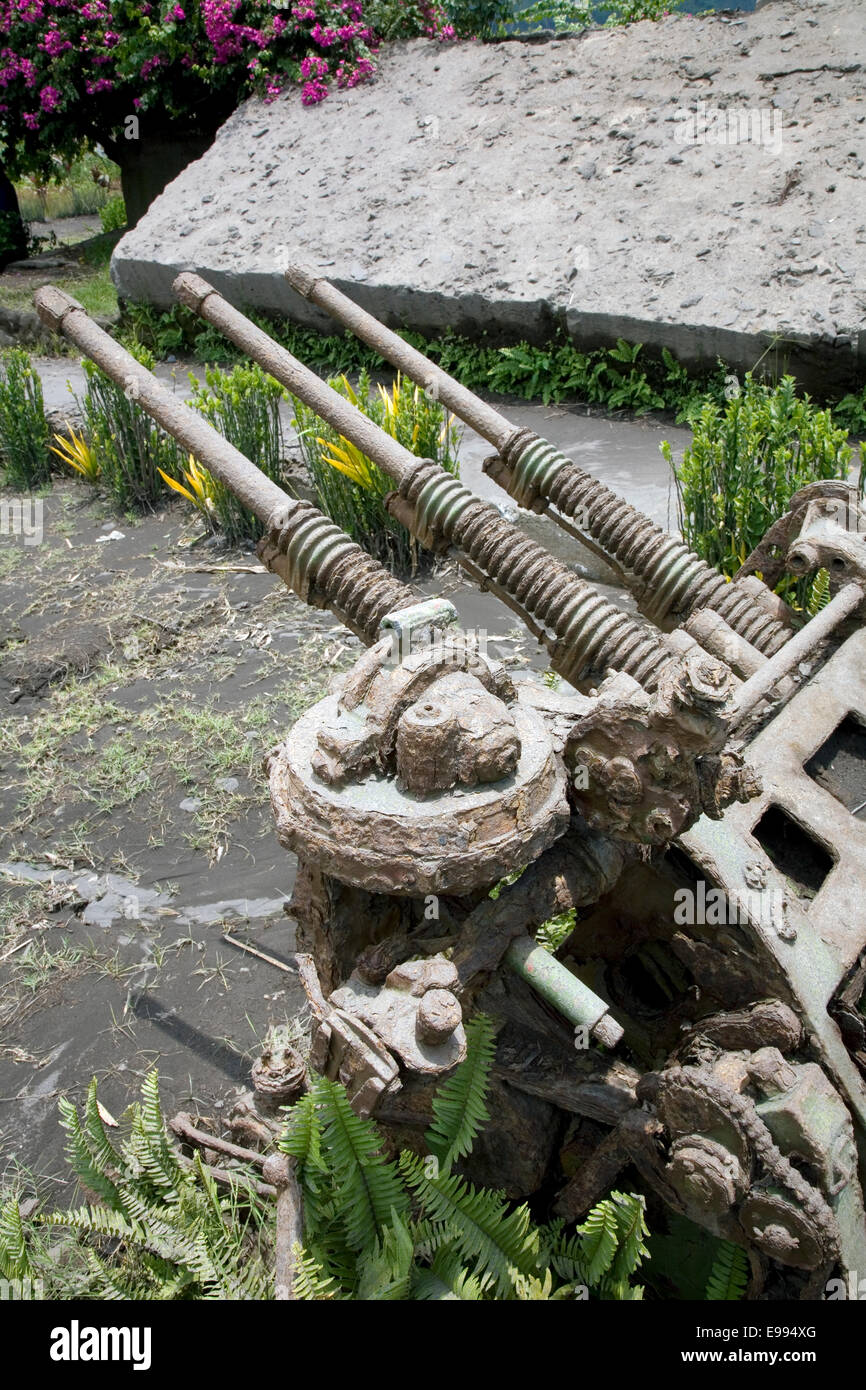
459 1112
155 1229
379 1230
819 595
729 1276
15 1259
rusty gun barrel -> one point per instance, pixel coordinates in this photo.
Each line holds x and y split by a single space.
668 579
583 631
302 546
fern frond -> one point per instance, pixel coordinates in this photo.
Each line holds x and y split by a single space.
599 1234
729 1276
311 1283
531 1288
14 1256
114 1284
97 1221
91 1155
148 1148
428 1287
483 1227
302 1133
367 1187
384 1273
819 593
629 1210
429 1236
448 1279
459 1111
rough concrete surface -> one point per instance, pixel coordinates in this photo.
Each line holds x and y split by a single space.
507 187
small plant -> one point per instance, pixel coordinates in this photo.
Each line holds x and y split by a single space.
75 451
556 930
23 428
350 487
415 1229
631 11
748 456
611 377
401 19
729 1276
554 14
479 19
113 214
200 490
154 1229
244 405
850 412
133 451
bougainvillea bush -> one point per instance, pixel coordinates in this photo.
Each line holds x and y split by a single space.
73 72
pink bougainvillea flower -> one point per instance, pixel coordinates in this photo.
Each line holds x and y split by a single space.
313 92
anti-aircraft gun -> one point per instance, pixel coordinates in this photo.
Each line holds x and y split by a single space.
701 1023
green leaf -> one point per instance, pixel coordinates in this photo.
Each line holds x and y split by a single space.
459 1111
729 1276
599 1235
482 1227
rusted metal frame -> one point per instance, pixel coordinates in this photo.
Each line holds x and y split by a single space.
818 946
587 632
321 563
281 1181
798 648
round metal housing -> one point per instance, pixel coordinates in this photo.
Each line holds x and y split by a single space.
371 834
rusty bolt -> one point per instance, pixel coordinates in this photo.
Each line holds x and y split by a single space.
439 1014
622 781
709 681
755 875
659 826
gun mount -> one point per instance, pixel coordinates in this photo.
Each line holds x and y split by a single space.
720 1054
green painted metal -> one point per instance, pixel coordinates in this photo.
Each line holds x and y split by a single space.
549 978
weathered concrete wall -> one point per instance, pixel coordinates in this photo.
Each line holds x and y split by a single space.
509 187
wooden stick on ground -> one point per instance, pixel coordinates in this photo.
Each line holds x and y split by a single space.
261 955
